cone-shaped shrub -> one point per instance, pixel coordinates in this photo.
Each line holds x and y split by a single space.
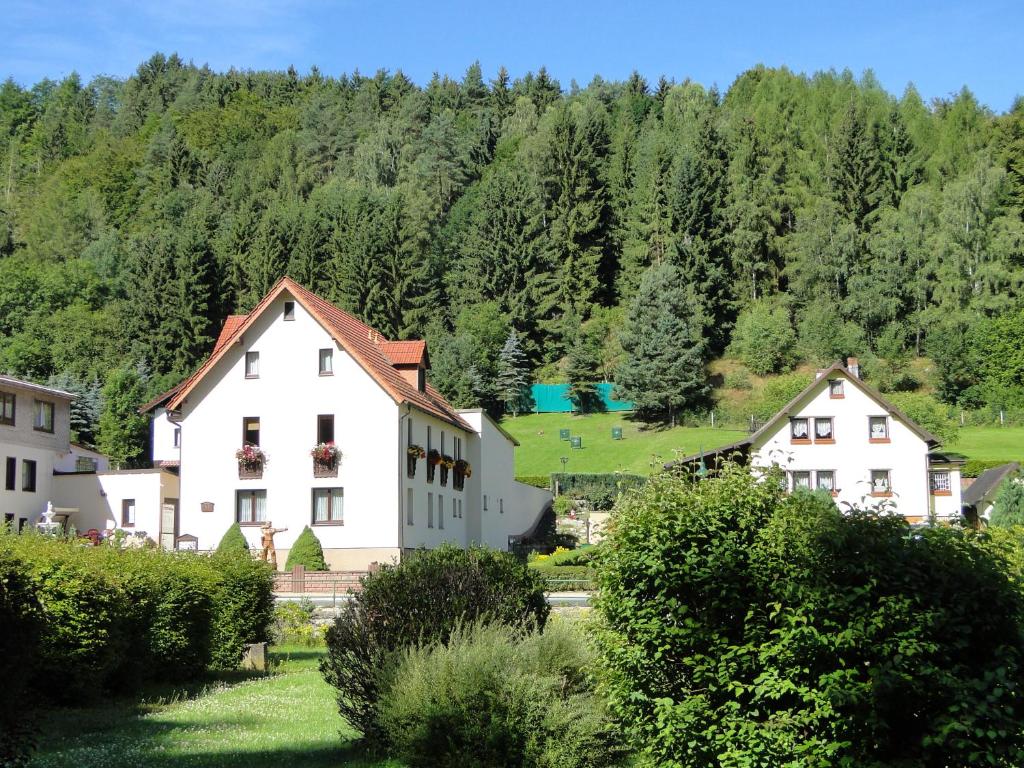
233 541
307 552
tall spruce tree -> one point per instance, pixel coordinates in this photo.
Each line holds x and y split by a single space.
665 346
513 376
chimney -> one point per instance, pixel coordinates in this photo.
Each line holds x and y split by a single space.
853 366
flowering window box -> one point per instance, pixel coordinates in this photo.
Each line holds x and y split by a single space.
413 454
250 462
434 460
326 458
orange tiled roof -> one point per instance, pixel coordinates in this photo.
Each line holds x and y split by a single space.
231 325
404 352
362 342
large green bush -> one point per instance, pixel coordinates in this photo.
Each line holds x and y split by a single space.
748 628
19 635
764 338
600 489
421 600
1008 508
927 412
493 698
307 552
243 606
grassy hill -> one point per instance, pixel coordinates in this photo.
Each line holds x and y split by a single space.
643 448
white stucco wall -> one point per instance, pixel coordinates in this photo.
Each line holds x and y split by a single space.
21 442
853 456
511 507
287 397
163 430
948 507
98 498
68 462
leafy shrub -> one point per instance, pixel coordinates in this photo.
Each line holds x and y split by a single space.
824 337
293 624
307 552
764 338
746 627
20 622
422 599
1008 508
601 490
738 379
233 540
561 557
778 392
491 698
927 412
243 606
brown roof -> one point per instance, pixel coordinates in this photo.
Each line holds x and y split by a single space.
361 341
405 352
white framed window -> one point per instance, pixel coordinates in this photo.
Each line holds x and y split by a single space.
430 510
251 430
825 480
940 482
328 506
799 479
881 483
250 506
44 416
252 365
823 429
408 507
835 389
440 511
878 427
799 429
327 362
127 513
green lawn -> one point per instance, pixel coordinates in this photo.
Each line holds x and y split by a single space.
285 719
643 448
640 449
990 443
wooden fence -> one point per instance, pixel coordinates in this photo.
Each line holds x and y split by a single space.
300 581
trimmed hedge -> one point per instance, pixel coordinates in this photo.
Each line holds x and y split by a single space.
423 599
233 540
537 481
974 467
307 552
113 619
20 626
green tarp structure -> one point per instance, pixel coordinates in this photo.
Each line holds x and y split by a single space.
554 398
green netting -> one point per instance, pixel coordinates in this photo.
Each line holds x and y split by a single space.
553 398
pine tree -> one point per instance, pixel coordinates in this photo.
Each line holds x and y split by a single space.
513 375
582 364
123 431
665 345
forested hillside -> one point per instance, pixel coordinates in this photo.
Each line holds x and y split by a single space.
625 226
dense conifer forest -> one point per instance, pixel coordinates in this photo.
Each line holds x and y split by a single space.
617 231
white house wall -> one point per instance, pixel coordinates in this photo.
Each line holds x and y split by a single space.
164 449
853 456
98 498
287 397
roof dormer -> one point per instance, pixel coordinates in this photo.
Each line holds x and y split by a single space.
410 359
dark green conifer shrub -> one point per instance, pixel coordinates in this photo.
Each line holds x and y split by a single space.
307 552
233 540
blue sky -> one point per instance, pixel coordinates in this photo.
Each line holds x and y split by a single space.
940 46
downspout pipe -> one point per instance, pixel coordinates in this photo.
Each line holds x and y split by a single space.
401 489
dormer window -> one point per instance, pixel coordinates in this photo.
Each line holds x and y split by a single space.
327 362
289 310
835 389
252 365
799 431
421 380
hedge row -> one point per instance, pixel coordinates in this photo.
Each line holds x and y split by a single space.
87 620
537 481
601 490
974 467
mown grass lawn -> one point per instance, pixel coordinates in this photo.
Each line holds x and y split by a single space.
643 449
990 443
284 720
640 449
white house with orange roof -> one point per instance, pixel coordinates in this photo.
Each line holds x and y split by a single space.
398 467
842 437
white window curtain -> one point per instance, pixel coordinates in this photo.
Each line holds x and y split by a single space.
823 429
326 361
320 502
261 506
337 504
799 428
252 364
